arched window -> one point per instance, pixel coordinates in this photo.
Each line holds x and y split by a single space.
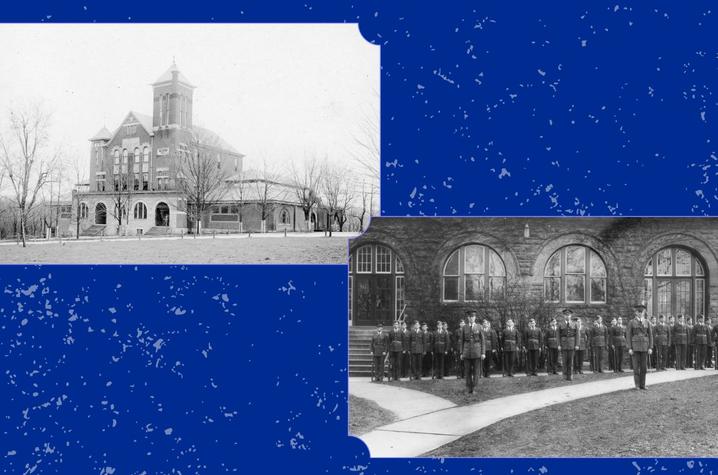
137 155
84 210
472 273
376 285
124 156
146 154
284 217
140 211
575 274
117 156
675 283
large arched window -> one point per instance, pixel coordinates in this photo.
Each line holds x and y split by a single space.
575 274
140 211
376 285
472 273
84 210
674 283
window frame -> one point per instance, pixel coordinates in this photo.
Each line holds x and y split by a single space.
485 274
587 275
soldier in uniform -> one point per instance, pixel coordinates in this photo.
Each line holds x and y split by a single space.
379 346
441 348
582 345
700 340
611 348
690 354
490 346
532 345
551 343
639 339
472 351
654 354
457 342
671 359
416 347
406 353
662 341
426 360
618 340
679 337
396 350
568 342
598 338
709 347
511 341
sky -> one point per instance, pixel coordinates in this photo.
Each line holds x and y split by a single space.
279 92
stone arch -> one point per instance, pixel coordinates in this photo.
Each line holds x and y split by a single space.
143 213
162 214
100 213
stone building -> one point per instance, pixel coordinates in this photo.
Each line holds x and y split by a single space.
437 268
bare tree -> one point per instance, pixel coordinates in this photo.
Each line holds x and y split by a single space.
306 181
202 178
367 152
120 195
265 187
338 195
79 175
366 193
26 160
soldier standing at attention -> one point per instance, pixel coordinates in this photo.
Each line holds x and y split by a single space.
511 342
489 348
379 345
532 344
700 340
416 347
458 343
568 343
690 346
611 348
709 346
618 339
598 337
652 361
406 350
426 363
449 362
582 344
551 343
662 340
671 358
441 347
396 350
472 351
639 339
680 342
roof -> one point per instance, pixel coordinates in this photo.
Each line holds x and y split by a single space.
208 137
144 119
167 76
102 134
254 189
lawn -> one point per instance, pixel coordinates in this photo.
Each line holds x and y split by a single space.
226 250
669 420
366 415
490 388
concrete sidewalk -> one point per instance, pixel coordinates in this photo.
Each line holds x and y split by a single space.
417 435
404 403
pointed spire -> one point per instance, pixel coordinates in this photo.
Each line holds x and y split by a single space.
167 75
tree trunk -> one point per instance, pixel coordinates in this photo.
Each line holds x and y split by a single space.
22 227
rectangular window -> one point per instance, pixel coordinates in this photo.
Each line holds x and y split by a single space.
145 181
383 260
663 292
451 288
700 297
473 287
664 265
598 290
364 260
575 288
683 262
683 297
350 296
474 260
648 295
552 289
496 287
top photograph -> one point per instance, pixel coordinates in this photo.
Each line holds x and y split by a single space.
186 143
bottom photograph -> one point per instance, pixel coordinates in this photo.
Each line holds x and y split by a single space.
534 337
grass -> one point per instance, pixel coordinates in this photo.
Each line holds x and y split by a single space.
366 415
490 388
669 420
255 250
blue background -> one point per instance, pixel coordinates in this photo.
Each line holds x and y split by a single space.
488 108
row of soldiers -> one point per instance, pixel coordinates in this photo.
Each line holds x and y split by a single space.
564 345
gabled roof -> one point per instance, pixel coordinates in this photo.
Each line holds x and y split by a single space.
167 76
253 190
144 120
208 137
102 134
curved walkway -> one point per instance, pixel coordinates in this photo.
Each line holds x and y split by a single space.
432 428
405 403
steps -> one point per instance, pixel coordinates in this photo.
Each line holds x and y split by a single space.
94 230
359 345
158 231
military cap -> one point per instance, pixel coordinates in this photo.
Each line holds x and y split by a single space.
567 311
640 306
380 324
531 320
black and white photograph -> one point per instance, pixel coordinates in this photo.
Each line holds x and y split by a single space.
534 337
186 143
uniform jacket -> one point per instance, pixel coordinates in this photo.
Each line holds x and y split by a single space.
689 330
639 335
533 338
491 340
679 334
700 334
618 335
714 335
417 342
428 341
396 340
662 334
441 342
379 343
472 342
598 336
457 339
582 338
551 338
511 339
568 333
